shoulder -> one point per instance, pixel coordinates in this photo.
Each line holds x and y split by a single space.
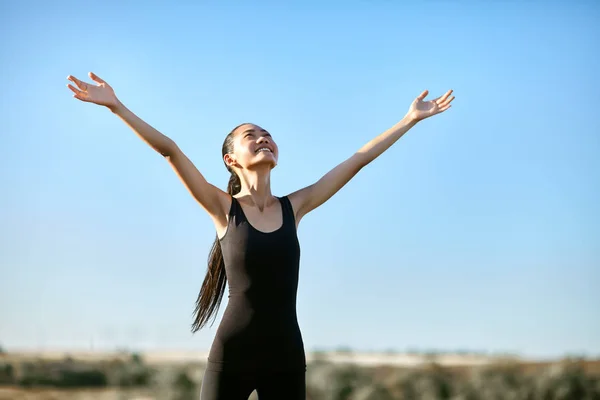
221 221
295 201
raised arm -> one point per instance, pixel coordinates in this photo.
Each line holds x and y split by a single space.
211 198
311 197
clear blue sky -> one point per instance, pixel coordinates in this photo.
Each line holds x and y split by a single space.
479 229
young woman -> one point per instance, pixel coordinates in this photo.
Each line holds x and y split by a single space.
258 345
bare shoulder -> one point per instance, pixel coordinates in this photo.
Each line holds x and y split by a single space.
295 199
221 219
298 200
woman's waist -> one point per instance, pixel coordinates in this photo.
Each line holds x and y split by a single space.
259 321
259 307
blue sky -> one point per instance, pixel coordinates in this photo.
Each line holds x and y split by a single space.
479 229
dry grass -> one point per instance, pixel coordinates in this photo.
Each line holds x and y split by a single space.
15 393
362 374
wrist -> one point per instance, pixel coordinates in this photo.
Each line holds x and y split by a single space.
408 121
117 107
411 119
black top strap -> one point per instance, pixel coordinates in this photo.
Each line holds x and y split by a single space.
288 211
234 210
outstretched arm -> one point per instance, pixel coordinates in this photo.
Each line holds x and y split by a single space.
311 197
211 198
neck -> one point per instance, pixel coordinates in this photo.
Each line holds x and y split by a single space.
257 185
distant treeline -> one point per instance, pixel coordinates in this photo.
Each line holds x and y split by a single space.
569 379
416 351
124 373
437 352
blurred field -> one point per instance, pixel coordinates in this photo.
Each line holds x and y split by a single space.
330 376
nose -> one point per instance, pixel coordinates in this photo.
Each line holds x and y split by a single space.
263 139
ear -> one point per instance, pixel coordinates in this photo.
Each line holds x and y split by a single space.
230 160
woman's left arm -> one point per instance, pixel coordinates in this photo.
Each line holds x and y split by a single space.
307 199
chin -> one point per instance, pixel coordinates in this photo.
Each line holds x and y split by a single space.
272 163
266 159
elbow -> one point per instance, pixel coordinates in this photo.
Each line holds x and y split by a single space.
361 160
169 148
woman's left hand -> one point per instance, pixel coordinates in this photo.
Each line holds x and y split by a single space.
421 109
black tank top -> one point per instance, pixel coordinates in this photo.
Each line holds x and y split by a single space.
259 330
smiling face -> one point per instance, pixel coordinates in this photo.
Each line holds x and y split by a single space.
253 147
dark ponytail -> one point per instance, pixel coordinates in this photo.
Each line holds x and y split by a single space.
213 287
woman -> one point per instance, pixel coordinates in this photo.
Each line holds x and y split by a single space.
258 345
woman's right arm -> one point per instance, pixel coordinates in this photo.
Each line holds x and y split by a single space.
212 199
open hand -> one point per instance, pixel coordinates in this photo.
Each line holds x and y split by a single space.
102 93
420 109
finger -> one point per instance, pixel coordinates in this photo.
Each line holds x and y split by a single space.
445 103
81 85
78 94
74 89
96 78
445 108
82 98
423 95
443 98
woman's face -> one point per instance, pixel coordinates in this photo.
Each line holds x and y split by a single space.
252 147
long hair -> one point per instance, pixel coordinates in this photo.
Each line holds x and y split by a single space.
213 287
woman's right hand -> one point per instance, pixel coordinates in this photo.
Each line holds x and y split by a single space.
101 94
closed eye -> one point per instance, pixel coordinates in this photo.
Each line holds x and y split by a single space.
250 133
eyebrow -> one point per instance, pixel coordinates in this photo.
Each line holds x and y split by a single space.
254 130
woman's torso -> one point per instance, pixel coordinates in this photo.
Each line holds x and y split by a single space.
259 329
